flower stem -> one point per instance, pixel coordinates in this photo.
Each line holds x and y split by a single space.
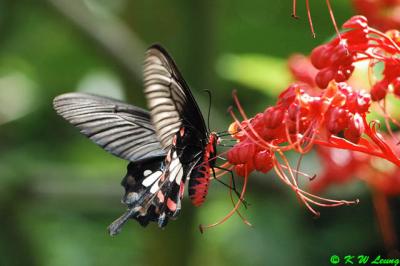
385 221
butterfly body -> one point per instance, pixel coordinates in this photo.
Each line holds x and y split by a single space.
166 146
200 179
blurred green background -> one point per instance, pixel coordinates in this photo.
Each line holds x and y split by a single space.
59 191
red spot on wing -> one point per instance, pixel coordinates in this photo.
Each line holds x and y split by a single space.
171 204
160 196
181 189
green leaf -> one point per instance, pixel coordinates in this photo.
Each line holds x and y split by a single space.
267 74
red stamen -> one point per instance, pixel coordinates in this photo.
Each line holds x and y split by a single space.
310 19
333 19
385 221
259 140
202 227
294 12
306 197
385 37
245 221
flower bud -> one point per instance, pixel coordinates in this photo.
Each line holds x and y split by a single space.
343 73
320 55
355 129
324 77
246 152
363 102
379 91
273 117
356 22
263 161
340 55
337 120
232 155
242 169
396 87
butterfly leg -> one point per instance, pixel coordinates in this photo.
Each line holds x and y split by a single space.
233 187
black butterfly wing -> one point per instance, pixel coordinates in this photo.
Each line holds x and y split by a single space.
163 151
122 129
153 191
154 180
171 103
174 111
173 108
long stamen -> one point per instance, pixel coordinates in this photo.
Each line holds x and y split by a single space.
300 173
279 171
306 197
387 122
202 227
381 34
298 167
310 19
294 9
297 144
259 140
296 188
339 143
378 140
343 202
289 169
333 19
245 221
371 76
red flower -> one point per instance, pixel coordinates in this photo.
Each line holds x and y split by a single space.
335 60
382 14
338 167
335 117
301 68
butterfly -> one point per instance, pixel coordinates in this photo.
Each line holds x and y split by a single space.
165 146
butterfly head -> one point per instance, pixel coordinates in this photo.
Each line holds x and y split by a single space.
211 148
213 141
214 138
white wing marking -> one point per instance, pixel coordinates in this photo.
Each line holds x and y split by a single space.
179 176
147 172
154 188
151 178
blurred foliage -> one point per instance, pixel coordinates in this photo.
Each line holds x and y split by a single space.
59 191
264 73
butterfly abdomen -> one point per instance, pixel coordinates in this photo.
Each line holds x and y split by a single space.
201 176
199 185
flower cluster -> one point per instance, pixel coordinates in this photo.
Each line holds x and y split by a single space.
333 115
342 166
382 14
335 60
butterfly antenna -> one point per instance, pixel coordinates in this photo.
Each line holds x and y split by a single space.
209 109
